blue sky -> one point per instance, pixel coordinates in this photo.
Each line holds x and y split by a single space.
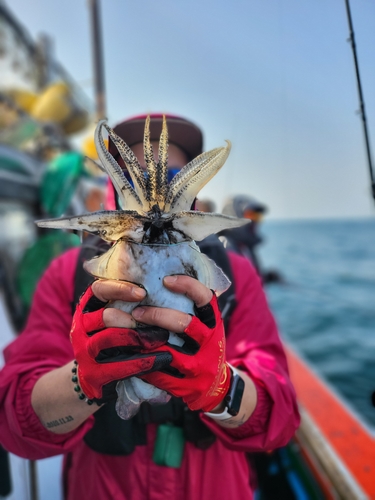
275 77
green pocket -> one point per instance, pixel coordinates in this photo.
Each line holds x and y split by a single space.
169 446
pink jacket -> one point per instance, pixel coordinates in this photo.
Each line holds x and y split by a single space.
220 472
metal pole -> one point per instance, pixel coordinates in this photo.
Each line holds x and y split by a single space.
97 54
34 490
45 60
361 101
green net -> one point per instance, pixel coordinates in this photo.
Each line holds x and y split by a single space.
37 258
60 182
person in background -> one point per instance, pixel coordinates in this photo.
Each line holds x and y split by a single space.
253 407
244 240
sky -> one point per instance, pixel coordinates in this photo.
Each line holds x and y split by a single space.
275 77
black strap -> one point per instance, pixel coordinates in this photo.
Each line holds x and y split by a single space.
214 249
114 436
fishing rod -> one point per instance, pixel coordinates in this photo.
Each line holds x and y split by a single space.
98 61
361 100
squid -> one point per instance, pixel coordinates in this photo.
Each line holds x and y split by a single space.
153 235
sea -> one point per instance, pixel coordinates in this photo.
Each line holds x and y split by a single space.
325 304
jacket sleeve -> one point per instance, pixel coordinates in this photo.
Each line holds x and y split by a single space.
254 345
43 346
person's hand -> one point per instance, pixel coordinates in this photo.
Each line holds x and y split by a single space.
106 343
198 372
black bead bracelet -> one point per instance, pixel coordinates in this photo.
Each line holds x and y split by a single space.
77 388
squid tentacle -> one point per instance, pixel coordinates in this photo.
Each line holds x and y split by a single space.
162 172
151 165
132 164
128 197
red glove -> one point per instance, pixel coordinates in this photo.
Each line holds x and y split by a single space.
198 372
106 355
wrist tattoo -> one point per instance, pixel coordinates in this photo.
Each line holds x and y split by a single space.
59 421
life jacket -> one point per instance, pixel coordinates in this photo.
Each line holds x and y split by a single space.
112 435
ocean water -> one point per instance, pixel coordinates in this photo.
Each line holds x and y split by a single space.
326 308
